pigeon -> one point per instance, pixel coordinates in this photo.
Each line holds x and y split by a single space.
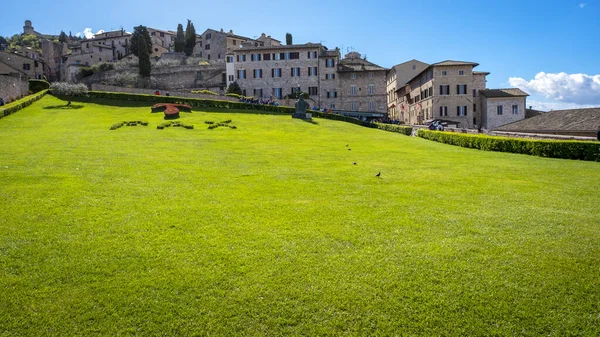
346 145
354 163
378 175
349 149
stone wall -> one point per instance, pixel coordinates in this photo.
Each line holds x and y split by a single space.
12 88
493 120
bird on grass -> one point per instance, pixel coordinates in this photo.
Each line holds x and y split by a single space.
349 149
378 175
346 145
354 163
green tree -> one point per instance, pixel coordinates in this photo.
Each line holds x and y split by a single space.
144 59
68 90
190 39
288 39
140 33
234 88
62 37
180 39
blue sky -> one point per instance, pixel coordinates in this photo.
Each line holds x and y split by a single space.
550 49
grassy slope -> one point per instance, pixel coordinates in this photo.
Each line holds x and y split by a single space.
270 229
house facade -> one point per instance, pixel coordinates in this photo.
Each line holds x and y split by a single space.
502 106
362 85
396 79
214 45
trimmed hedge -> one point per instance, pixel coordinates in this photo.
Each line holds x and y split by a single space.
20 104
38 85
565 149
405 130
193 102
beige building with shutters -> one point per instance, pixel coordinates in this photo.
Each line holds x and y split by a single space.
362 85
396 79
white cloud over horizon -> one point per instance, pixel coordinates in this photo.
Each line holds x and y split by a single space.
87 33
574 89
548 106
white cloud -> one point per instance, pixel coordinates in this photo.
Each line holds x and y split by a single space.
547 106
100 31
581 5
579 89
87 33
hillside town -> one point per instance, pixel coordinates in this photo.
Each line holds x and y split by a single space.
412 92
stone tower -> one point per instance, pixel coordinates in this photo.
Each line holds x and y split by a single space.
28 28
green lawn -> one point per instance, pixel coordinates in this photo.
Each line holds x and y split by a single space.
269 229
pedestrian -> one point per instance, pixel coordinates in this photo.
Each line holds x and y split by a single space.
598 133
167 94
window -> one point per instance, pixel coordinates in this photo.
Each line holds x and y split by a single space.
313 91
285 56
332 94
330 63
353 76
332 106
255 57
258 92
353 106
234 42
229 59
208 56
499 109
329 76
371 74
99 48
267 57
443 111
461 73
371 106
208 36
312 71
295 72
258 73
444 90
277 92
153 33
296 90
311 54
294 56
162 34
444 73
231 79
461 89
371 89
461 110
353 90
26 66
277 57
207 46
99 59
474 107
241 74
515 109
276 72
414 67
430 91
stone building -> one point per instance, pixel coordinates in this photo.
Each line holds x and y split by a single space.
453 92
502 106
361 85
329 87
214 45
17 64
396 79
277 70
162 40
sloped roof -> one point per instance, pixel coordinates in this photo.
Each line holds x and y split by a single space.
481 73
358 64
291 46
508 92
455 63
558 120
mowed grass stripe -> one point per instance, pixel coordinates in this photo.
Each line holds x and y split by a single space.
271 229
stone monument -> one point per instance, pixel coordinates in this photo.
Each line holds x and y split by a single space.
301 106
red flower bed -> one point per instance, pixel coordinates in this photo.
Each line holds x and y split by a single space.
171 110
160 107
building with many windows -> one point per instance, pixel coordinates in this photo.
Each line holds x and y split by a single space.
362 85
396 80
214 45
502 106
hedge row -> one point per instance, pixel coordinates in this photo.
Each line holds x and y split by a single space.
565 149
194 102
207 103
38 85
20 104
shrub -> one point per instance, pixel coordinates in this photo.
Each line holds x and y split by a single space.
230 94
85 72
15 106
565 149
166 63
207 92
128 123
68 89
102 66
38 85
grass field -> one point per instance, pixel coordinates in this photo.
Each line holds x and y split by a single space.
269 229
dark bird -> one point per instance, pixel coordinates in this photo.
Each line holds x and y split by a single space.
349 149
354 163
346 145
378 175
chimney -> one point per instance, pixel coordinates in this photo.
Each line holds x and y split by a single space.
531 107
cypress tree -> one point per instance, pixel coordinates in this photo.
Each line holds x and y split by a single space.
144 58
140 31
288 39
234 88
62 37
190 39
180 39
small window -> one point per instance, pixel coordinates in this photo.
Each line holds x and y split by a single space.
371 89
515 109
371 74
499 109
353 76
461 73
353 90
444 73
